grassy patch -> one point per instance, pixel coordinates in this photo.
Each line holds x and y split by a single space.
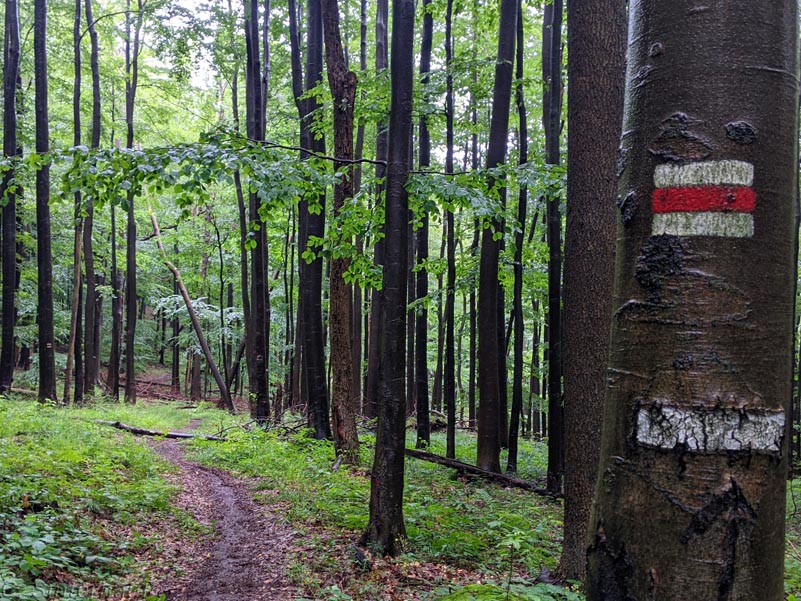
76 499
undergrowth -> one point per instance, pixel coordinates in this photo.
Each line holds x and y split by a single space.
75 500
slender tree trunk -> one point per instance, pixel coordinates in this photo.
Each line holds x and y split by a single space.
371 408
517 301
694 447
488 456
449 384
343 88
44 258
131 83
113 377
8 315
93 299
556 445
421 334
596 38
385 528
73 346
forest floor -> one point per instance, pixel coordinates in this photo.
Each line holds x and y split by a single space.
245 558
91 513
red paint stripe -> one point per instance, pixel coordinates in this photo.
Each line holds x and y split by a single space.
739 199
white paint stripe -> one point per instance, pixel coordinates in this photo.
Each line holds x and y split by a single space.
707 173
731 225
714 430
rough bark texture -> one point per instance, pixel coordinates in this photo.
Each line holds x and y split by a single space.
44 257
596 38
694 448
488 361
342 82
11 57
385 528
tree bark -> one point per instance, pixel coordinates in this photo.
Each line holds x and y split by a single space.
596 38
92 302
385 528
517 300
343 89
421 316
553 34
488 361
694 446
8 315
44 259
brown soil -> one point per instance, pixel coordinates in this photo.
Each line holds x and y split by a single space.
246 559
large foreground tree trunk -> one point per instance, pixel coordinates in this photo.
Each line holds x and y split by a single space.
385 529
691 501
596 39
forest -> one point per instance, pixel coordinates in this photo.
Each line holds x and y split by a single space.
409 299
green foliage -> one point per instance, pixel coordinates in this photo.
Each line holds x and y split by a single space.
63 482
514 592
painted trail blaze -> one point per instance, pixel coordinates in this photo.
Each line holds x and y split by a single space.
709 198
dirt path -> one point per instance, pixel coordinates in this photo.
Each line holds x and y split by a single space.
246 559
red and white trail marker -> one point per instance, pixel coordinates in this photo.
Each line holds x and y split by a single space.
709 198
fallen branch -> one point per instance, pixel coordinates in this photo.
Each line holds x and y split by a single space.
477 471
145 432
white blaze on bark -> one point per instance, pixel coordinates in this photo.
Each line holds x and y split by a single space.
710 430
708 173
731 225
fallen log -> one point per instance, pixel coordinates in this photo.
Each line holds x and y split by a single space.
145 432
477 471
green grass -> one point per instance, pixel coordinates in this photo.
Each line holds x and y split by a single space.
65 479
68 488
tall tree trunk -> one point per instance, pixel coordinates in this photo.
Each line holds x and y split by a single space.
343 88
44 257
73 345
8 315
421 334
596 38
371 401
488 456
117 284
694 447
131 83
93 300
517 300
259 323
311 285
385 528
449 384
553 101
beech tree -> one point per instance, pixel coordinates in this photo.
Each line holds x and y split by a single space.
489 406
690 501
8 198
596 41
385 528
44 250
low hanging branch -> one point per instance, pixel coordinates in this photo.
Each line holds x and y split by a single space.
471 469
146 432
225 393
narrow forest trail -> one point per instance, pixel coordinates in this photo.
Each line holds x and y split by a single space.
246 558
